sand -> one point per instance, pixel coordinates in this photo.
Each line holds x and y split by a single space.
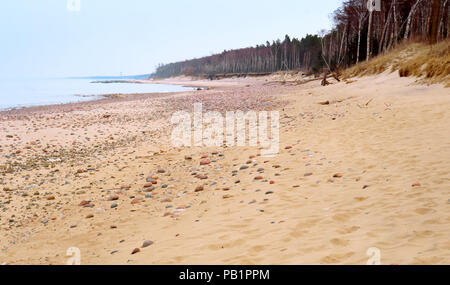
369 169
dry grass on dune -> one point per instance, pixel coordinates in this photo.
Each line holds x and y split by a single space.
430 63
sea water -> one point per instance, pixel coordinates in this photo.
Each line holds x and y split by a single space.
17 93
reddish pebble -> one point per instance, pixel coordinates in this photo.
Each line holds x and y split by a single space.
416 185
136 250
205 162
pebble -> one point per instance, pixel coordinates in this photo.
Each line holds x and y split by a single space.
149 189
112 198
205 162
199 189
89 216
416 185
308 174
243 167
201 176
227 196
147 243
258 178
84 202
136 250
337 175
269 192
164 186
115 205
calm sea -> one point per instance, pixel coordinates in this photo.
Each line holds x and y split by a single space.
15 93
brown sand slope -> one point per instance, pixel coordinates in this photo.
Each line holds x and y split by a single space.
369 169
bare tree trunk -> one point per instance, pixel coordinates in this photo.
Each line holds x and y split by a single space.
433 30
369 33
445 21
359 40
340 57
395 22
408 23
382 44
441 28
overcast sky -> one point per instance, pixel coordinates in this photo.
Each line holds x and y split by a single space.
44 38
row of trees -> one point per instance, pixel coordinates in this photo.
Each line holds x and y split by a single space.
360 33
271 57
361 30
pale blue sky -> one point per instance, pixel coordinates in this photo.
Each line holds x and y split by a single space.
42 38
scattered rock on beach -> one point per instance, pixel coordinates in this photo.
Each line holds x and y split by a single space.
147 243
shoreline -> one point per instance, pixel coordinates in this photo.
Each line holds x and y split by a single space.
95 97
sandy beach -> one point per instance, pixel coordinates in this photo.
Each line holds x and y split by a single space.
363 163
